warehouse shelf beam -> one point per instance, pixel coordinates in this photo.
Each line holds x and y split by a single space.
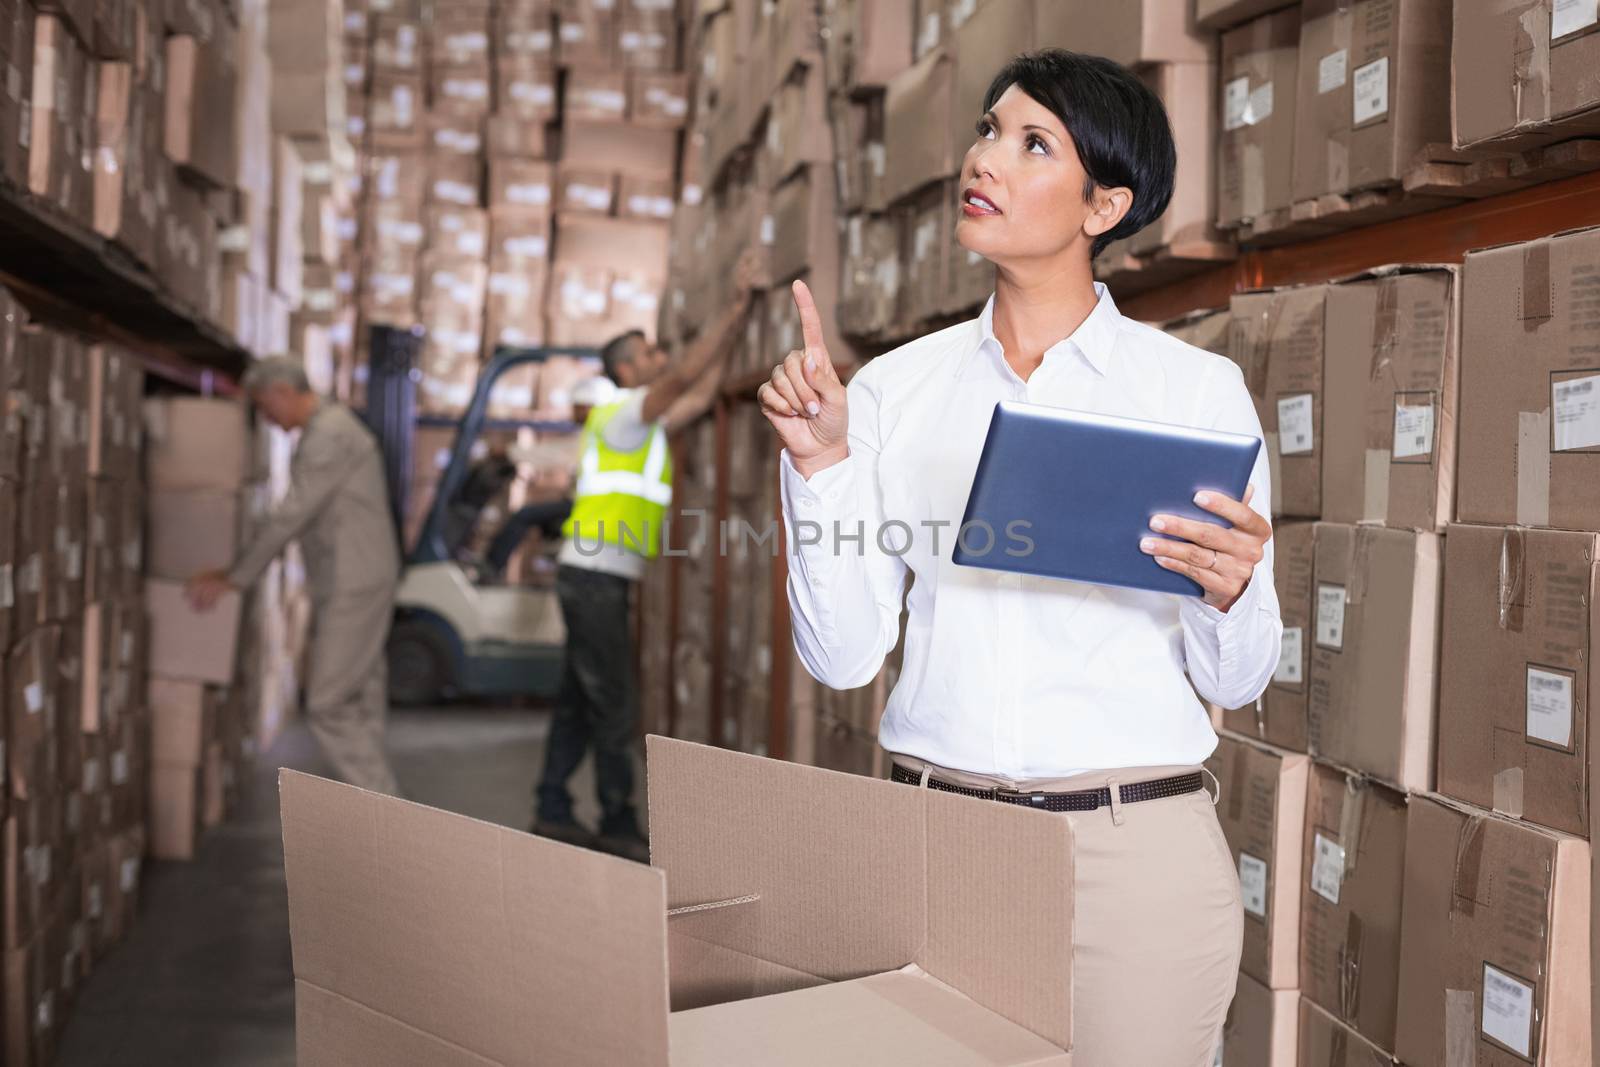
1443 236
75 276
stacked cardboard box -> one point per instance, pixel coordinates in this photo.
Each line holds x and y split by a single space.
1356 386
73 632
223 681
470 226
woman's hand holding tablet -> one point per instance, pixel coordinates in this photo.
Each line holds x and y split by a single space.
1220 559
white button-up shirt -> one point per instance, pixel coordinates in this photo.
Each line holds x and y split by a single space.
1006 674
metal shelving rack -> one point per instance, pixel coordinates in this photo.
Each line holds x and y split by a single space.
68 273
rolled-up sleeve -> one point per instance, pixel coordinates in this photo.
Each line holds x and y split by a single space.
845 592
1231 656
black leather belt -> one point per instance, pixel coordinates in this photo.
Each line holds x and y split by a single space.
1081 800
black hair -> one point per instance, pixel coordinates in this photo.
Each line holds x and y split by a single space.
1119 127
617 351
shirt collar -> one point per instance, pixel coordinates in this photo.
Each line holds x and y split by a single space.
1094 338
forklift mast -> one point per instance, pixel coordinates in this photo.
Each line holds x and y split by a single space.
433 546
391 411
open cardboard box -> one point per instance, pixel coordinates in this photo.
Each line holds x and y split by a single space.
791 916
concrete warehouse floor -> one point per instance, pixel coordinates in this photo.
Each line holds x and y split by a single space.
205 976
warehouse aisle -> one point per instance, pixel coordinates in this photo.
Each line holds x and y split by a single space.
205 978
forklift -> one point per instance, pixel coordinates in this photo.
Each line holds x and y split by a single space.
455 635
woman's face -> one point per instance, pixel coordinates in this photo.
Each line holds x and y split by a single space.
1022 186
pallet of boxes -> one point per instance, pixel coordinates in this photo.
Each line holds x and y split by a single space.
1405 802
198 466
72 623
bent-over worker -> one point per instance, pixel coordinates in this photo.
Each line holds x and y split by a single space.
338 508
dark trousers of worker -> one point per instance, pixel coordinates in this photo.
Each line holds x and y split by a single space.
598 706
347 692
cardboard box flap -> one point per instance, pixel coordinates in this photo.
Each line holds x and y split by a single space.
904 1016
325 1020
497 942
836 860
856 876
1396 270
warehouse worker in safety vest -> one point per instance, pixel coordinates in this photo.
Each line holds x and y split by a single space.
624 485
338 508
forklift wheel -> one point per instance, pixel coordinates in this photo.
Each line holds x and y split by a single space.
419 663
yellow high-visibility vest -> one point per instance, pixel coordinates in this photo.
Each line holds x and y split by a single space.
621 497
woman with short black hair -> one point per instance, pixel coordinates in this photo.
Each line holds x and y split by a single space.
1081 698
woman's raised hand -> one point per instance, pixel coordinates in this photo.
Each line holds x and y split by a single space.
805 400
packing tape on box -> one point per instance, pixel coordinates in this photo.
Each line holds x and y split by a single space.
1252 180
1508 792
1533 468
1350 821
1511 583
1338 162
1360 567
1530 77
1375 500
1339 1047
1350 963
1460 1028
1469 865
1537 298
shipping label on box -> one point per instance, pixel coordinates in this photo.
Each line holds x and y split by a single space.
1279 715
1494 947
1516 683
1390 399
1530 425
396 45
596 96
1519 77
1260 62
1373 659
1262 811
1278 341
1371 95
1350 910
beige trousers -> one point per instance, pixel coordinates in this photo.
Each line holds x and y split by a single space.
347 688
1158 922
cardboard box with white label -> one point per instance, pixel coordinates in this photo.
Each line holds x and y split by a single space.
792 916
1372 93
1375 640
1261 1027
1255 150
1530 441
1278 716
1389 394
1494 943
1262 810
1522 74
1516 671
1278 340
1350 917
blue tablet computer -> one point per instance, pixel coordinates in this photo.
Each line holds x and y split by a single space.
1068 494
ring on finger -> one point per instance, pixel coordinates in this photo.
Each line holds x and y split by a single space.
1213 564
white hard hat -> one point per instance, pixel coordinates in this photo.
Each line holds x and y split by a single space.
593 392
